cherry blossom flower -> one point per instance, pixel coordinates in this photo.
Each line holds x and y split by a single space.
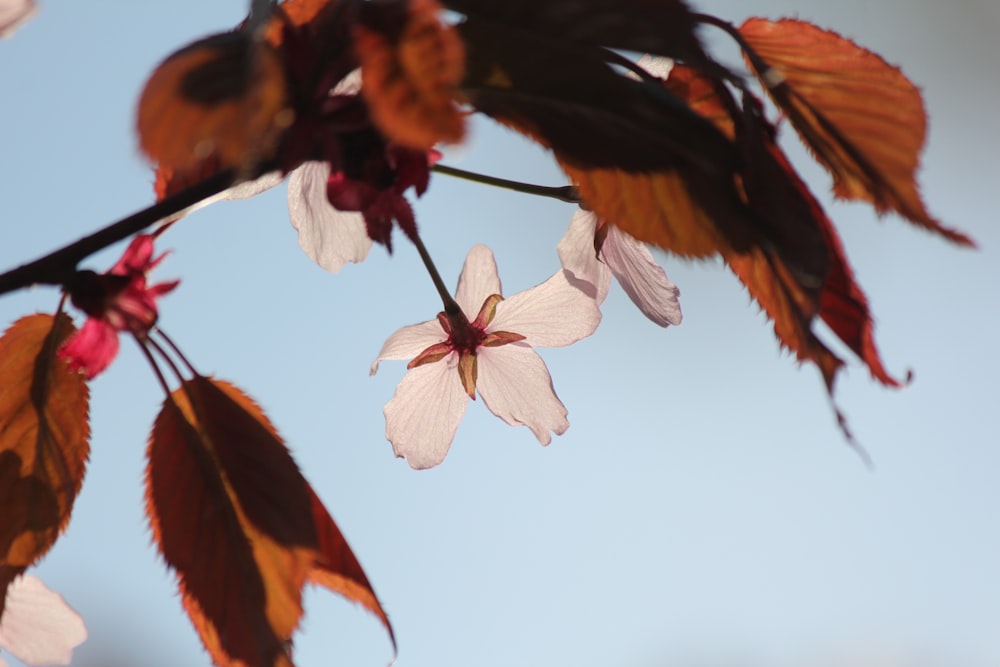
487 347
37 626
13 13
592 251
119 300
338 212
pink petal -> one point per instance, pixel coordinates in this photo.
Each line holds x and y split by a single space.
330 237
553 314
136 258
423 415
516 387
644 280
410 341
38 627
478 280
579 258
248 189
92 348
159 289
13 13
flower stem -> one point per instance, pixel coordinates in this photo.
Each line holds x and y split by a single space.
566 193
451 307
142 343
173 346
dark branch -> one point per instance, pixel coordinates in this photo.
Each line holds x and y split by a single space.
58 267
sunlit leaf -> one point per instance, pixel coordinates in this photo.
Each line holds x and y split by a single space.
861 117
411 66
655 208
296 13
779 243
44 434
241 526
222 97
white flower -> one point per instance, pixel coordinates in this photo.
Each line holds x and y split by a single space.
13 13
591 260
489 352
37 626
330 237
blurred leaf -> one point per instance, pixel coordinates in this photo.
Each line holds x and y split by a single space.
661 27
861 117
221 97
244 531
411 66
44 433
565 96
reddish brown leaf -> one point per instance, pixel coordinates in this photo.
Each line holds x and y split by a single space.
566 96
222 97
241 526
654 208
861 117
665 28
701 94
793 263
44 432
410 70
844 308
841 304
295 13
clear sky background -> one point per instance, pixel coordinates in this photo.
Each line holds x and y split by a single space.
703 509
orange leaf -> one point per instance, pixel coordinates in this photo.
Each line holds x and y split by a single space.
234 517
295 13
410 75
44 432
861 117
783 247
221 97
701 94
790 307
844 308
655 208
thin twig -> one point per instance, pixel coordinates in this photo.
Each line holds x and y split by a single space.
566 193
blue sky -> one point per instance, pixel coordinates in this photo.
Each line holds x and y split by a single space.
703 507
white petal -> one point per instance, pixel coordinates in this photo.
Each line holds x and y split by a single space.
644 280
243 190
38 627
516 387
330 237
410 341
579 259
552 314
423 415
13 13
478 280
349 85
248 189
656 65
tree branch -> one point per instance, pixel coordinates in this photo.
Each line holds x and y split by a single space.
58 267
